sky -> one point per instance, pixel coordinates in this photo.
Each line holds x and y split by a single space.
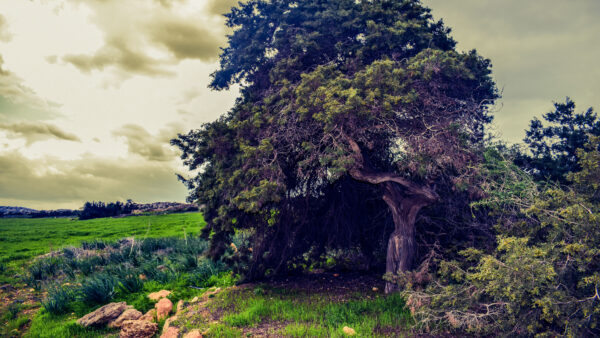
91 91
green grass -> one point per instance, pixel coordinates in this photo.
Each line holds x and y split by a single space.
303 314
24 238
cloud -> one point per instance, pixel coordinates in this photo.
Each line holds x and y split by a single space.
220 7
150 147
541 52
37 131
118 52
189 95
5 35
49 182
148 38
19 102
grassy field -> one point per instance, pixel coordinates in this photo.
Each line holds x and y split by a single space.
24 238
52 292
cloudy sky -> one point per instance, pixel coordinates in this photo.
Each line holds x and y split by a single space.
91 91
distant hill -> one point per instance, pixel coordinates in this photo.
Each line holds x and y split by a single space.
4 210
136 209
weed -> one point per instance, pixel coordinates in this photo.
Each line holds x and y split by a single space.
304 330
98 289
58 300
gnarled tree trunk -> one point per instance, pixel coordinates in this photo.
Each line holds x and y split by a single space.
405 199
402 247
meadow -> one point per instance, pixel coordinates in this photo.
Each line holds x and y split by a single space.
95 262
24 238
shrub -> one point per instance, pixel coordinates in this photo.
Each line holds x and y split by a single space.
543 276
59 299
98 289
130 283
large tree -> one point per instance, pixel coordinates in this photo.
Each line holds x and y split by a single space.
347 107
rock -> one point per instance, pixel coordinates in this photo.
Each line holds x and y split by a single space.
168 322
179 306
158 295
171 332
142 277
195 299
103 315
193 334
163 308
150 316
349 331
129 314
138 329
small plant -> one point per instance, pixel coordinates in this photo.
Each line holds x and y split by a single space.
58 300
99 289
96 244
131 283
12 310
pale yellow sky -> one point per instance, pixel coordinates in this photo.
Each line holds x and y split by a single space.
91 91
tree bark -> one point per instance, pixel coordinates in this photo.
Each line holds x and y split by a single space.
402 246
405 199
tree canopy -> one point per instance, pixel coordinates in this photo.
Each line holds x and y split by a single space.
353 117
554 145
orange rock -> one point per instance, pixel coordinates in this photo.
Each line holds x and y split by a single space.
163 308
193 334
142 276
179 306
150 316
129 314
138 329
158 295
168 322
171 332
349 331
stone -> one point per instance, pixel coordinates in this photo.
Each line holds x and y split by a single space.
168 322
195 299
138 329
171 332
349 331
163 308
179 306
158 295
129 314
193 334
103 315
150 316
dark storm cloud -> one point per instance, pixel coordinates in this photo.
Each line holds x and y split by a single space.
133 31
36 182
151 147
542 51
36 131
19 102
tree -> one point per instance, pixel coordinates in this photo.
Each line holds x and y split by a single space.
554 145
345 105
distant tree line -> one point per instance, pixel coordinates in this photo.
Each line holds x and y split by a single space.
100 209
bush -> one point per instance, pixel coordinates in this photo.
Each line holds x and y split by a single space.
543 276
99 289
59 299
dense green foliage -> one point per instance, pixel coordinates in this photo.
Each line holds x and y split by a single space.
342 103
100 209
554 145
542 278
